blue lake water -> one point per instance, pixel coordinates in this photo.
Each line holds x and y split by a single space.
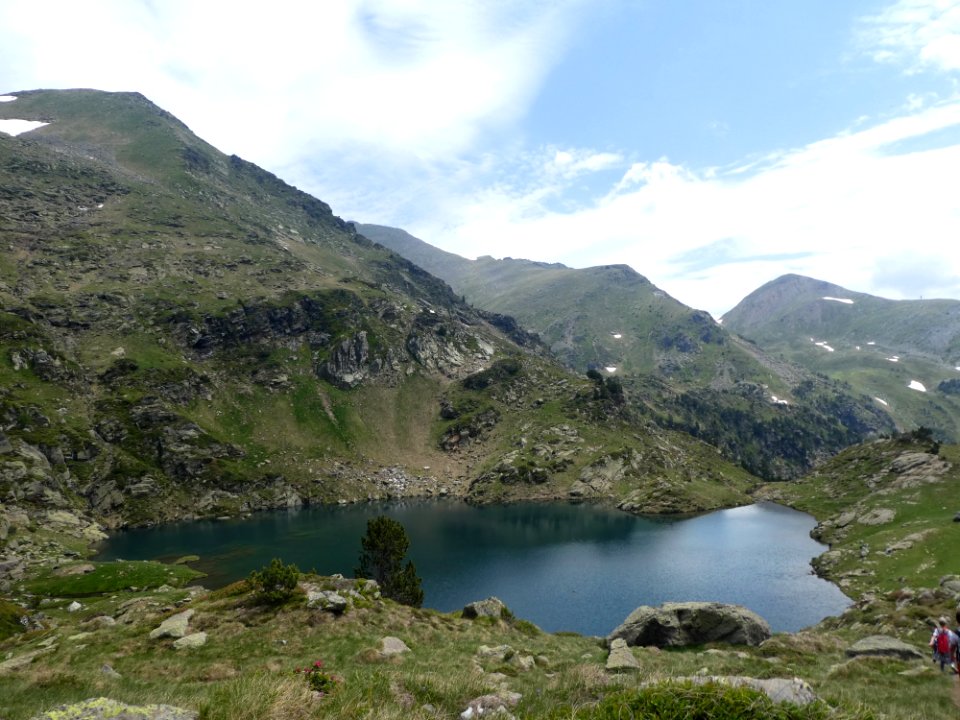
564 567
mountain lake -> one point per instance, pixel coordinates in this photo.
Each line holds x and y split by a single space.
580 568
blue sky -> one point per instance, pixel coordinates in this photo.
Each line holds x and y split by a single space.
710 145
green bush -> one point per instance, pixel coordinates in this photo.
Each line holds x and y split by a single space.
275 583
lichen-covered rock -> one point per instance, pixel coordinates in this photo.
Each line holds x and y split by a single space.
492 607
790 690
103 708
187 642
692 623
621 657
884 646
174 626
390 646
491 705
327 600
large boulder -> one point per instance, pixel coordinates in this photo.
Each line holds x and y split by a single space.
692 623
492 607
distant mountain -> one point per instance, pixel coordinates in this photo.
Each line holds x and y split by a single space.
903 353
684 369
184 334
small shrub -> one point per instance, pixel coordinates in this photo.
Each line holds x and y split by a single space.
275 583
319 679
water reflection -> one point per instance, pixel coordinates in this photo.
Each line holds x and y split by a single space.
564 567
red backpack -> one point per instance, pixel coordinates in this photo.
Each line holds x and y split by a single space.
943 642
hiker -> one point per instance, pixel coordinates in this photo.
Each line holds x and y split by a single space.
956 649
944 644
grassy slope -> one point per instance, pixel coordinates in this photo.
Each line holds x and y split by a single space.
246 669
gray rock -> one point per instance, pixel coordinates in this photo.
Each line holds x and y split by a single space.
951 584
103 708
108 670
198 639
956 518
692 623
884 646
621 657
491 705
74 606
877 516
174 626
5 446
499 653
390 646
491 607
327 600
103 621
791 690
81 569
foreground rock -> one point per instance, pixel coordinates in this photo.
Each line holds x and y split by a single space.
884 646
174 626
103 708
491 607
692 623
790 690
621 657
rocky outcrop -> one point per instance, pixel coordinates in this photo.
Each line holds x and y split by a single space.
692 623
349 363
884 646
492 607
174 626
788 690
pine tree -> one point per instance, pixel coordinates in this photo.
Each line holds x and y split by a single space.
384 548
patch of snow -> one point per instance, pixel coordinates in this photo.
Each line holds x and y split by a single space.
823 344
915 385
7 98
777 401
871 343
616 336
610 368
17 127
845 301
857 346
895 358
433 312
882 401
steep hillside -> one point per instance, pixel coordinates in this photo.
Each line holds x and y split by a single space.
904 354
183 334
684 370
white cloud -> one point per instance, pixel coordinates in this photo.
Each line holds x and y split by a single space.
846 209
423 78
918 34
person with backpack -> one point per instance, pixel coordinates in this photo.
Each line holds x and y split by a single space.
956 648
944 643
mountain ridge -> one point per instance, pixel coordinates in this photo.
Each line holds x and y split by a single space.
903 353
183 334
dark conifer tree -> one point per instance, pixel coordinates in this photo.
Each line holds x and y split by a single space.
381 559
